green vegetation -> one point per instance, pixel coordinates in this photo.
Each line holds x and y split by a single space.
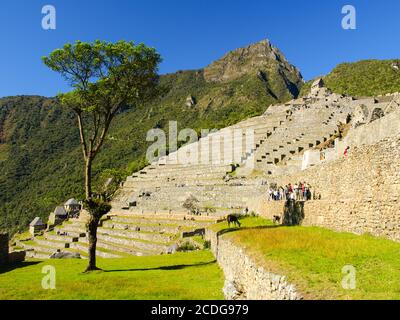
105 77
312 258
179 276
363 78
186 246
43 166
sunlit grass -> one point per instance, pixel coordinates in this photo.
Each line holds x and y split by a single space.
313 258
193 275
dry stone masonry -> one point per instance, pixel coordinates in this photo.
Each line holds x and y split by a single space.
230 170
244 279
119 235
301 140
221 175
360 192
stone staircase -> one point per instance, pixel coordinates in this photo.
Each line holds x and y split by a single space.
220 173
305 128
167 183
119 235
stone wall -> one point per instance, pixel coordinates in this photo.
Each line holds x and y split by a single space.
360 192
16 257
3 249
383 128
244 279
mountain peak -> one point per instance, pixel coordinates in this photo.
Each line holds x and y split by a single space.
260 56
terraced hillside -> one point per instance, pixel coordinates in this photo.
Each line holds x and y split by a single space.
120 236
224 171
40 157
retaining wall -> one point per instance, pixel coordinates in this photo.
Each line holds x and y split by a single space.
360 192
244 279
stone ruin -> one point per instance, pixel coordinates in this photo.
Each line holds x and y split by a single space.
6 257
317 86
227 172
37 226
287 139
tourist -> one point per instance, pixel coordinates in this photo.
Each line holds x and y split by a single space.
269 194
296 190
281 193
286 192
308 193
346 151
304 188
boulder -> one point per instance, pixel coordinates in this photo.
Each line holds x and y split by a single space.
376 114
172 249
396 66
232 291
65 255
190 101
360 116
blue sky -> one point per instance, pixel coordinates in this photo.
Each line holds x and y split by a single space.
190 34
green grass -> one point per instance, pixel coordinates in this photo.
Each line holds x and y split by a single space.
193 275
312 258
248 222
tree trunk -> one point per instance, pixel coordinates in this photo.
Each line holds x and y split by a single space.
88 178
92 234
93 220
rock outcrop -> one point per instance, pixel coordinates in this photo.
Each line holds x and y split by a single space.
258 57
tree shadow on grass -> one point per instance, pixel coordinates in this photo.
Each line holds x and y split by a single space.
229 230
167 268
8 268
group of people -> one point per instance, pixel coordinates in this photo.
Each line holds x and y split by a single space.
301 191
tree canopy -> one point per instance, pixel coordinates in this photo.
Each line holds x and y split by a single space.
106 77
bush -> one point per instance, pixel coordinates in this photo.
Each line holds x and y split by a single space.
192 204
186 246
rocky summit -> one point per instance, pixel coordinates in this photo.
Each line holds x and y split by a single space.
261 59
260 56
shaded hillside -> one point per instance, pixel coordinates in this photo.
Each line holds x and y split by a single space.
40 160
363 78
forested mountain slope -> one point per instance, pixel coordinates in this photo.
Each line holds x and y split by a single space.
40 160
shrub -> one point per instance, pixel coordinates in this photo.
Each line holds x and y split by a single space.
186 246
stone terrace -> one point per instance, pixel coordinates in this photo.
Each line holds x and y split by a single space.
225 172
118 236
218 170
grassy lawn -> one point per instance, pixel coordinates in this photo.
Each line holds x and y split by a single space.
193 275
312 258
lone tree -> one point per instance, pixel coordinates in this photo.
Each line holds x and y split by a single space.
105 78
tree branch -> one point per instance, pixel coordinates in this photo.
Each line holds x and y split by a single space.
82 135
103 135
